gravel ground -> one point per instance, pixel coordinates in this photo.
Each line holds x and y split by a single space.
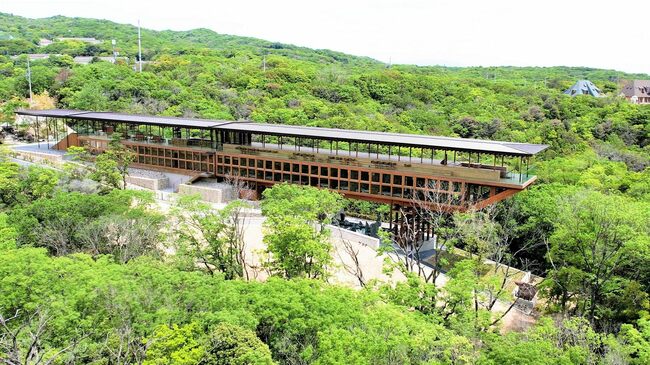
36 147
146 173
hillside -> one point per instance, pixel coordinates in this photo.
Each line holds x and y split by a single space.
20 34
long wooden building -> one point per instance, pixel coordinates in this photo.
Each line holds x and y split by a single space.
392 168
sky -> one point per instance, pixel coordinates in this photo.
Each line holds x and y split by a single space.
594 33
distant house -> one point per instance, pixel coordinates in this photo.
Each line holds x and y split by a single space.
44 42
80 39
84 60
583 87
35 56
637 91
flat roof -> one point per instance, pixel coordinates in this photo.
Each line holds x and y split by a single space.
401 139
348 135
123 117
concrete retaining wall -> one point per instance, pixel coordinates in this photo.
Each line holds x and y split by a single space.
209 194
38 157
149 183
347 235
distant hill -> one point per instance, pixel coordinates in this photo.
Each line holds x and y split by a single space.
21 30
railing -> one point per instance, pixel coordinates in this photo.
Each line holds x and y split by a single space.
156 140
451 171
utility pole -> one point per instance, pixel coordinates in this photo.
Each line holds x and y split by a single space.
113 42
29 80
139 47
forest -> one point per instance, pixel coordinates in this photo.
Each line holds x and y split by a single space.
83 278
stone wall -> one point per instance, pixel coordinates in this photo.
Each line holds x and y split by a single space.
38 157
147 182
213 194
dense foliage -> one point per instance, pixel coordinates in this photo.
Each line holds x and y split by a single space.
120 311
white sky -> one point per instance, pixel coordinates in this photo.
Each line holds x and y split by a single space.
613 34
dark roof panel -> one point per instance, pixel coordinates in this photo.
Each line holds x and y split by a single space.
49 113
414 140
123 117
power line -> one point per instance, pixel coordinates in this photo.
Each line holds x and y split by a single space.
139 47
29 80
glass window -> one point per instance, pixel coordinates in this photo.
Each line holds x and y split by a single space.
365 188
260 164
444 185
277 176
455 199
409 181
269 165
397 180
365 176
375 177
323 171
455 186
431 184
374 189
354 175
277 166
397 192
251 162
385 178
354 186
305 169
226 159
314 170
260 174
334 172
344 174
295 167
235 161
286 166
344 185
